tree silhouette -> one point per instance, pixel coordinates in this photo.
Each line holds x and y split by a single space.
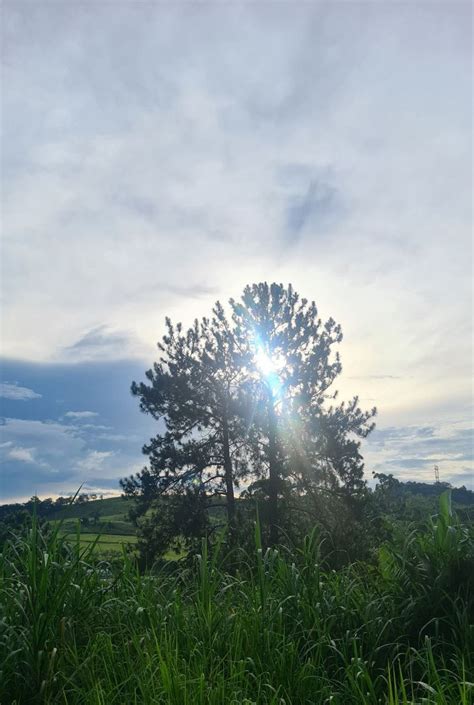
196 391
289 353
249 397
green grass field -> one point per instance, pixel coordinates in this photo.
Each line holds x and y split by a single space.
104 523
104 542
108 528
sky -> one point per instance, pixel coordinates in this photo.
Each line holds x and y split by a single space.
158 157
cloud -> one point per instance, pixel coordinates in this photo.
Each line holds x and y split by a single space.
192 291
85 424
94 460
411 452
117 437
318 206
25 455
311 168
58 458
375 377
13 391
101 343
81 414
209 176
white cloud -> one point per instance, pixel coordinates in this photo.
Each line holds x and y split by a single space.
101 343
81 414
118 437
51 440
13 391
94 460
25 455
411 452
59 456
202 166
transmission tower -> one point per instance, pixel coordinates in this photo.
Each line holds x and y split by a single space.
436 469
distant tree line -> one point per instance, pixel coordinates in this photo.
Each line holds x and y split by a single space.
46 507
394 487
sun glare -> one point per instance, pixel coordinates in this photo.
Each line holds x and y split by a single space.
269 365
264 362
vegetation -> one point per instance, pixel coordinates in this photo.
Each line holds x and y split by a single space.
282 628
105 521
248 399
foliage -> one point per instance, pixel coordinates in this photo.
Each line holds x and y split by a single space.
197 390
12 522
248 399
282 628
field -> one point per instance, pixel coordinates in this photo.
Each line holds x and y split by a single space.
104 542
274 628
103 523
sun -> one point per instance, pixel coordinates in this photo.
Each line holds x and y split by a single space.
264 362
270 367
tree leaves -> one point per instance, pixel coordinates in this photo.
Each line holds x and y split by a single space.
228 419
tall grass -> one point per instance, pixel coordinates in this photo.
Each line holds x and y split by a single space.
279 629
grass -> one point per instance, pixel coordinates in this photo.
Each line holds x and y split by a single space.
109 529
104 542
277 629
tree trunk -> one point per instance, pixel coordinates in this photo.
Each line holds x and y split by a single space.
273 472
229 476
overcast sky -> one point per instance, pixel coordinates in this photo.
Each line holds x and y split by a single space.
157 157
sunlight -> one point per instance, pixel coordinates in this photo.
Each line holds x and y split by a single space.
267 364
270 366
264 362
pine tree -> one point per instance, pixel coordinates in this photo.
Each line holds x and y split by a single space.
250 398
289 355
196 392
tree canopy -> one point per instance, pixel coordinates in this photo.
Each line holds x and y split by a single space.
245 403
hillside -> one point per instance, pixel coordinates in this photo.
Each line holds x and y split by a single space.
110 508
